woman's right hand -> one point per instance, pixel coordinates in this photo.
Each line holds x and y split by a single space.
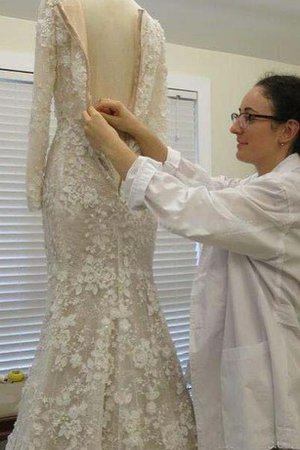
121 119
118 116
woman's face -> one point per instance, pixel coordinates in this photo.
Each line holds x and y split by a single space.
259 143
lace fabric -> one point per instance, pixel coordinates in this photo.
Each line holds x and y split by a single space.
105 374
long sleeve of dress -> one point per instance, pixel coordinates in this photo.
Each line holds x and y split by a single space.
44 79
156 118
151 96
249 218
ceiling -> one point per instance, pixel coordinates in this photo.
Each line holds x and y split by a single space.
268 29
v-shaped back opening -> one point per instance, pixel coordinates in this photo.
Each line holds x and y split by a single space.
72 11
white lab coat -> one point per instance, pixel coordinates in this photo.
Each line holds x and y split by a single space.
245 313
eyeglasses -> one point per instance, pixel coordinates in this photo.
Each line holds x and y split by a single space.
246 119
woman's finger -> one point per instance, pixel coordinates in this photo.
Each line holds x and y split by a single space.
108 106
86 116
107 101
92 111
106 109
110 118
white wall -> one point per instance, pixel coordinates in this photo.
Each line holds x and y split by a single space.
231 76
16 35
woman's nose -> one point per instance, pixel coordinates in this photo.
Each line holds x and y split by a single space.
236 128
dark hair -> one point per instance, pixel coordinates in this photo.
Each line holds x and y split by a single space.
284 93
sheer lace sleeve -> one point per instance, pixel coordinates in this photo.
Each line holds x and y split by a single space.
44 78
157 109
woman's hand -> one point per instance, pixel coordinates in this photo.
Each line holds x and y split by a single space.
104 138
118 116
99 133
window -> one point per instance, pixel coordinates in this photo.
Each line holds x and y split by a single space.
22 257
175 257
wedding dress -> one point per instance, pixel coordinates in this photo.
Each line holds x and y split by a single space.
105 376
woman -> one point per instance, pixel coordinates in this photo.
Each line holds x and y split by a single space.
245 328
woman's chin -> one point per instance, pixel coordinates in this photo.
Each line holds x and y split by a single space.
239 155
242 156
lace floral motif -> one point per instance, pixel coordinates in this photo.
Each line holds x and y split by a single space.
151 98
105 375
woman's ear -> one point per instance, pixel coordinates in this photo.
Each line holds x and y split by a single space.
288 131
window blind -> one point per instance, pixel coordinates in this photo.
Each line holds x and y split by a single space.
175 257
22 255
22 259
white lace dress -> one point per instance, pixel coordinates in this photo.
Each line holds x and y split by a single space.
105 376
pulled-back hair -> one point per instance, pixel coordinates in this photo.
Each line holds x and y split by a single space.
284 93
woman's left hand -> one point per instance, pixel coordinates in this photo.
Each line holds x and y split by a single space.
104 138
100 134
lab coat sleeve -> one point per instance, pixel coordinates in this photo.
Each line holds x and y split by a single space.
249 219
44 79
192 174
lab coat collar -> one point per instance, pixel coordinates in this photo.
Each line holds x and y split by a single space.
289 163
